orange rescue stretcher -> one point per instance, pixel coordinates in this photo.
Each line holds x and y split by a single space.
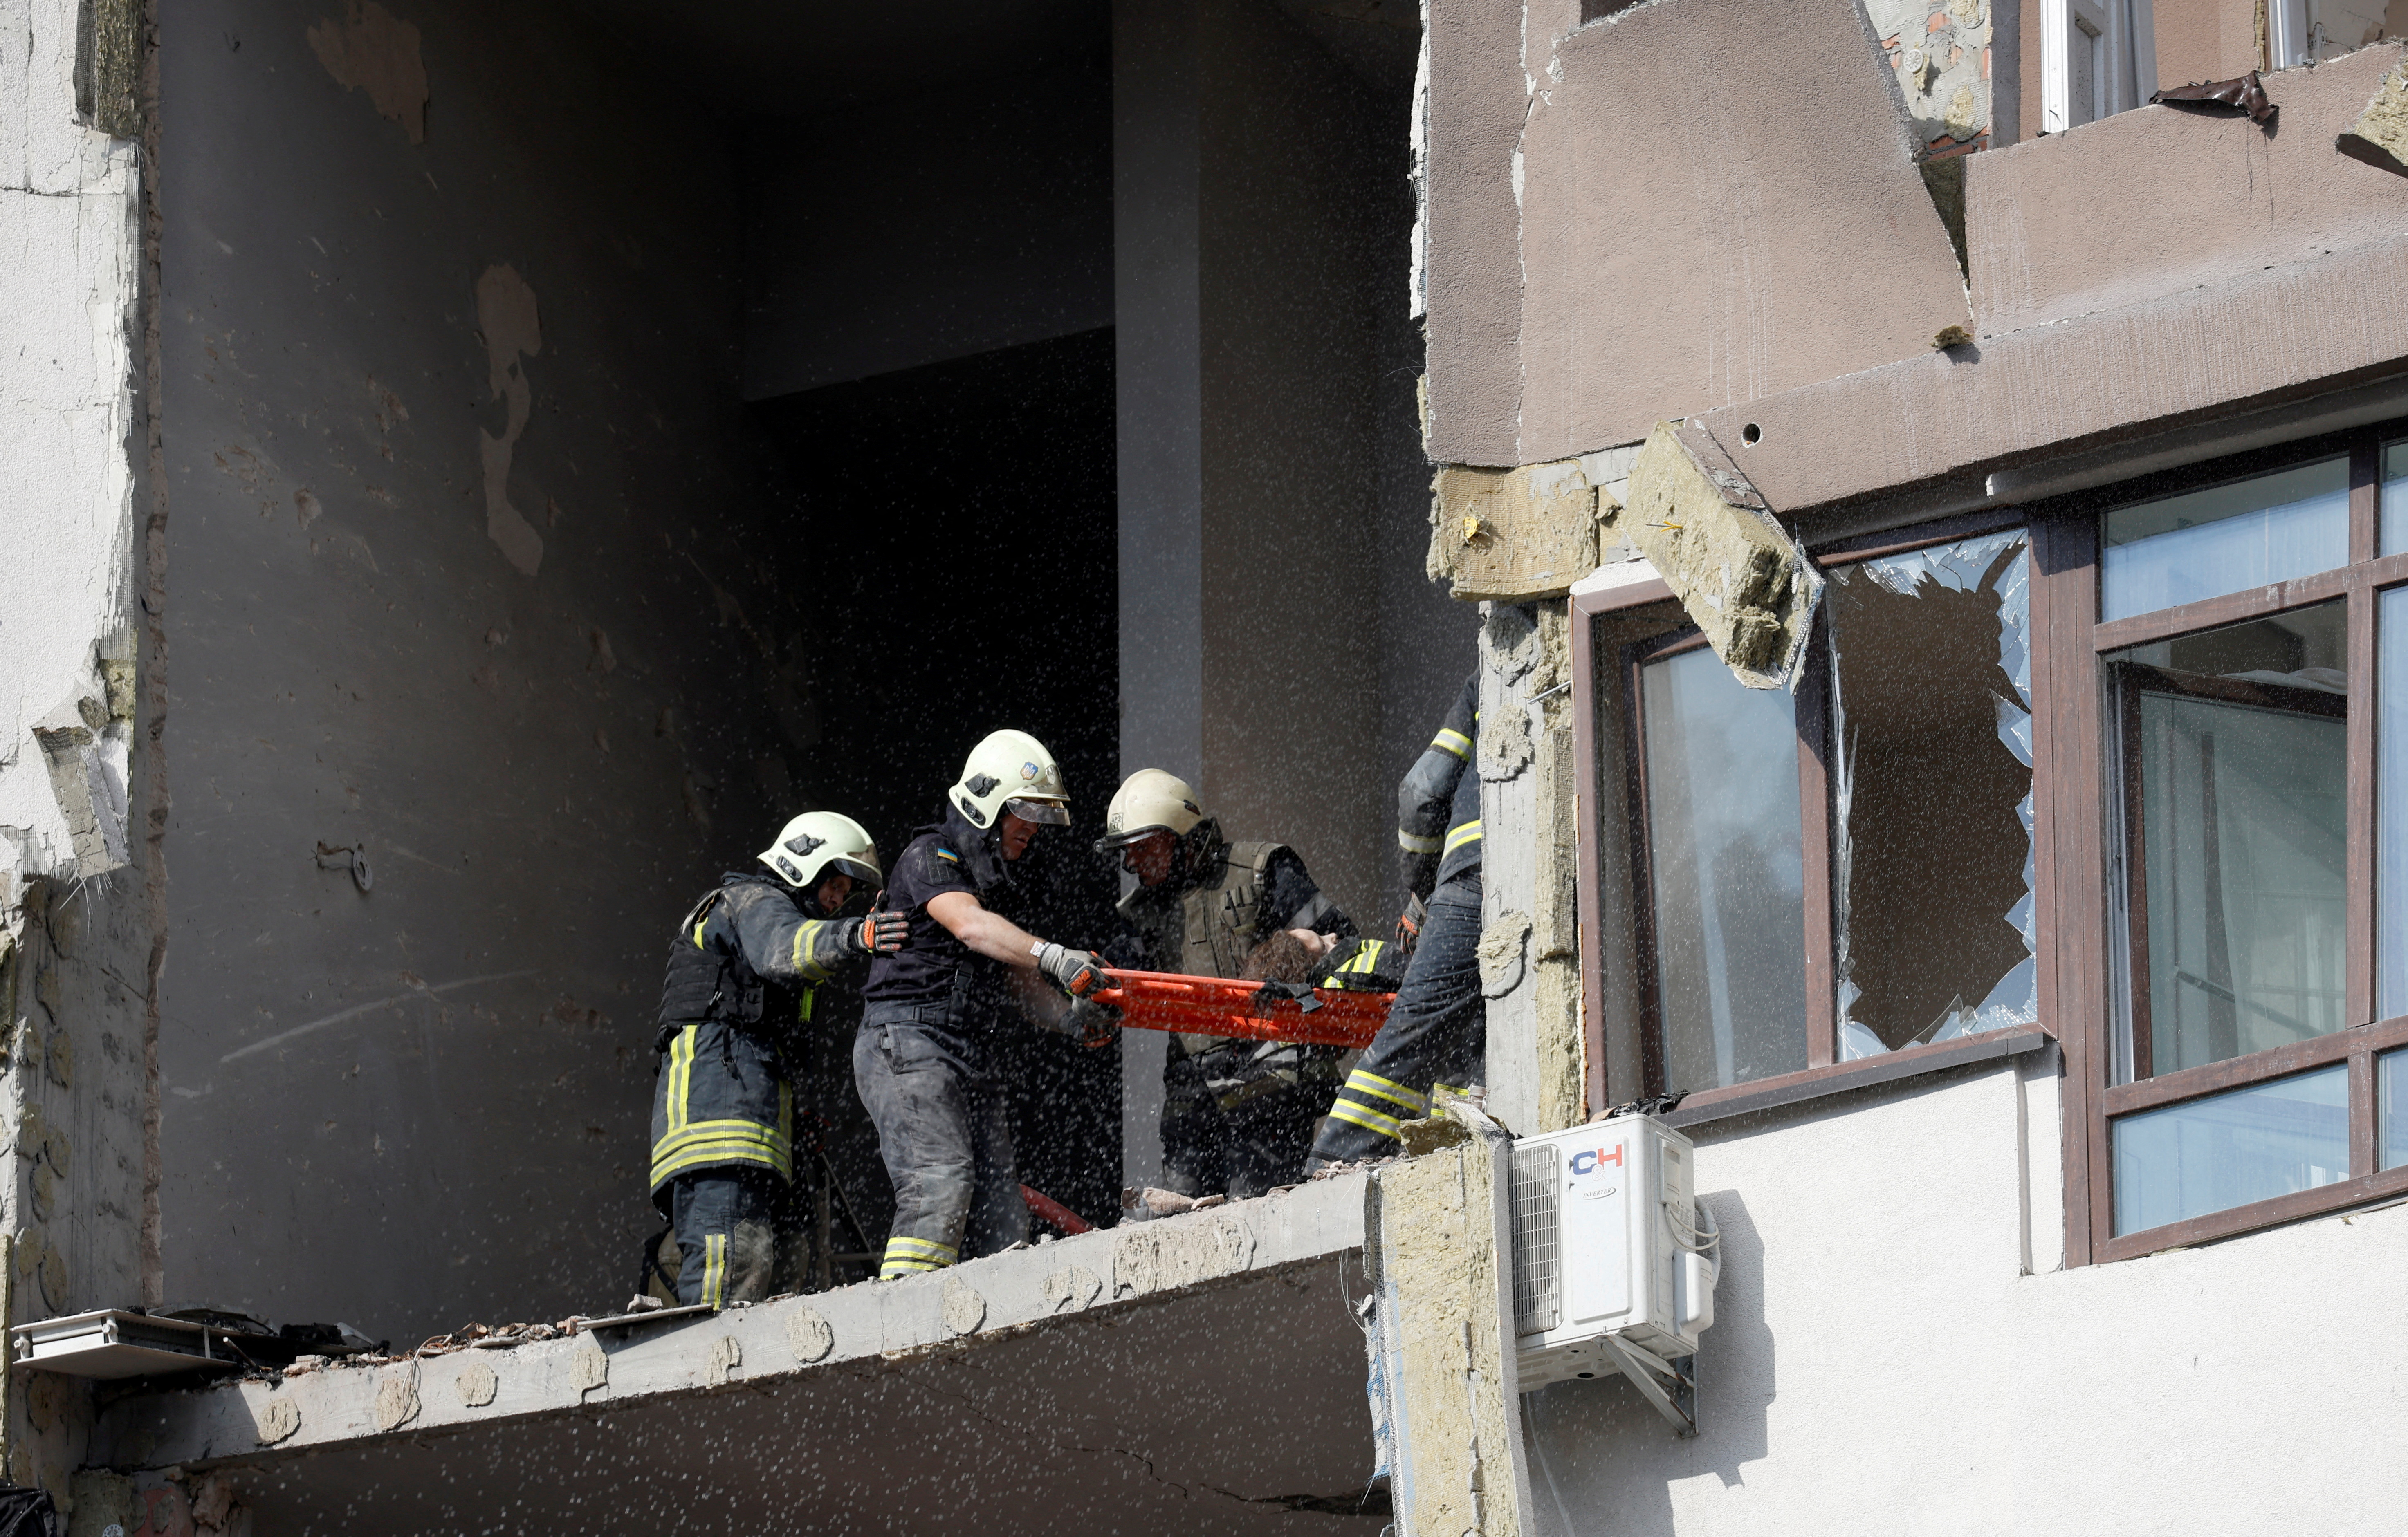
1212 1005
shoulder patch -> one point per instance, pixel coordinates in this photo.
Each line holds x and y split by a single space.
944 853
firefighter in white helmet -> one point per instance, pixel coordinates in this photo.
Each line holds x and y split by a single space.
925 1059
745 969
1238 1115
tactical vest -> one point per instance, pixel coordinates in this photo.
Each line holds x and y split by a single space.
707 984
1214 924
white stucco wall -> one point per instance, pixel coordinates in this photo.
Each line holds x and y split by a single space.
69 232
1894 1354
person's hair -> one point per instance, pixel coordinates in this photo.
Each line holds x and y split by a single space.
1282 958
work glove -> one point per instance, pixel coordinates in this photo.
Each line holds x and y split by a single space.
1408 925
1077 972
1092 1022
881 933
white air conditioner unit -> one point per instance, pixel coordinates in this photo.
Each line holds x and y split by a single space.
1614 1259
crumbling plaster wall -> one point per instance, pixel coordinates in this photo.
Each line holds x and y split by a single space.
78 764
1529 944
1896 1346
464 592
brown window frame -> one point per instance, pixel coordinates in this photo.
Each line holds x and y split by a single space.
1823 1073
2077 869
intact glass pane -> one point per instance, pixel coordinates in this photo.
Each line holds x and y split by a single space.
2204 544
2391 801
2391 1109
1931 793
2240 738
2230 1149
2395 497
1727 870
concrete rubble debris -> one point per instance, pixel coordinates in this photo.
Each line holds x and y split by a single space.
590 1368
477 1384
2380 135
810 1335
965 1309
1146 1204
1071 1288
727 1354
1157 1258
396 1396
1714 541
278 1417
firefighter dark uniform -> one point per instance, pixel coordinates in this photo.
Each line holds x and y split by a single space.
1361 965
744 971
925 1060
1238 1115
1437 1030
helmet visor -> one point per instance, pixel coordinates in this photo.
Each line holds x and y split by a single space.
1112 841
1044 813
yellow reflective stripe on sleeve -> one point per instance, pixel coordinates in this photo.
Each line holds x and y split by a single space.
714 1268
1362 1082
1413 843
700 924
1463 833
1370 1121
1449 740
681 1076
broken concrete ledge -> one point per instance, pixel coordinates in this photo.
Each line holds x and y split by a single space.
1045 1285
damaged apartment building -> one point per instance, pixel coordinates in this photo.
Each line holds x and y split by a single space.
1924 489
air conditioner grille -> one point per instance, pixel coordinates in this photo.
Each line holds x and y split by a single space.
1537 1262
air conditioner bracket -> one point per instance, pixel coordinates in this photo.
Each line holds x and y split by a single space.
1671 1386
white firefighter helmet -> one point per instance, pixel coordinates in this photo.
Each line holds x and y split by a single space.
822 842
1150 800
1012 771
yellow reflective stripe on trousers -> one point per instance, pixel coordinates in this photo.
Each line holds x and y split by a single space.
1363 1082
714 1268
713 1155
907 1256
1449 740
1366 1118
1413 843
926 1248
1461 833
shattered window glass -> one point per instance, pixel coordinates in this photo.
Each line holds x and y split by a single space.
2236 838
1724 851
2229 538
1931 794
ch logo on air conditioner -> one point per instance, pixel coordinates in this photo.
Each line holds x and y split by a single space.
1594 1159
